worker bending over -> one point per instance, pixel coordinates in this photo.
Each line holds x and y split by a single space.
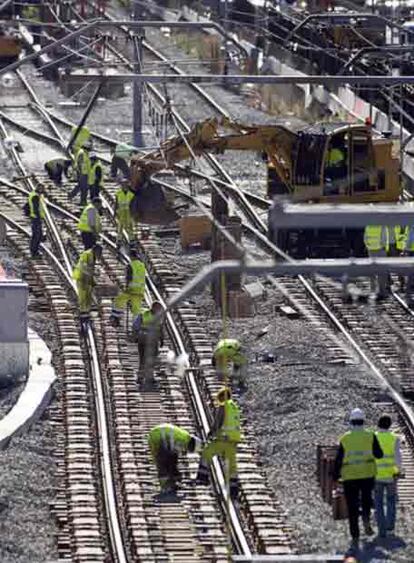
121 154
223 439
90 224
134 289
229 351
388 471
124 222
82 167
84 275
166 442
149 335
56 167
355 466
36 211
95 176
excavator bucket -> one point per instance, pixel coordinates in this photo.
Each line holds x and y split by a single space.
150 205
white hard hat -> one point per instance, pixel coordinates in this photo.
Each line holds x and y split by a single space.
356 414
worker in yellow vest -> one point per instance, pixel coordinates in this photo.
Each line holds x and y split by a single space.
95 176
166 443
223 439
409 251
90 224
229 351
124 222
149 335
36 211
134 292
355 466
388 470
82 166
377 243
84 275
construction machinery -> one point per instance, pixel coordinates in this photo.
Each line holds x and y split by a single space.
300 167
10 45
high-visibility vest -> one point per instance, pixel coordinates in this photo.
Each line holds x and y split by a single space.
83 224
335 157
82 162
137 283
230 429
123 201
400 236
172 437
92 173
358 461
85 267
33 215
83 137
229 349
376 237
147 317
386 466
31 12
409 245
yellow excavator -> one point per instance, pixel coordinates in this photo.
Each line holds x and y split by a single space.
300 165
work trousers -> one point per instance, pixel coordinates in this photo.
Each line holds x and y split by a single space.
88 239
379 282
358 491
226 450
56 173
167 467
124 223
94 191
148 348
119 163
134 300
385 520
84 297
37 235
82 187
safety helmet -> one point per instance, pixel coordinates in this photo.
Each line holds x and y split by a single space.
223 394
356 414
195 444
93 155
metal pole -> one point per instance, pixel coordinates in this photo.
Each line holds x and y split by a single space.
85 115
137 139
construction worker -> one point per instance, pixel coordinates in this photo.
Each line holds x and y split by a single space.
83 274
149 337
409 251
83 139
229 350
223 439
31 14
355 466
134 289
123 198
388 470
95 176
36 211
335 165
82 167
376 239
121 154
56 167
166 442
90 224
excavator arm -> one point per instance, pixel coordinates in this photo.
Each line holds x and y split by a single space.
275 140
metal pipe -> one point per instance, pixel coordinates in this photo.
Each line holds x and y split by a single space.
85 115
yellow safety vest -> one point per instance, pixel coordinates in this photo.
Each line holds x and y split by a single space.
386 466
31 12
376 237
92 173
359 461
401 237
83 137
171 436
230 430
32 194
83 156
137 284
147 318
335 157
228 349
123 201
84 269
83 224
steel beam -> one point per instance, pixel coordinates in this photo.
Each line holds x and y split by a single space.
377 80
328 216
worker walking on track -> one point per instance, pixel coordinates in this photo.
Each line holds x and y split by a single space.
166 442
229 351
82 167
223 439
95 176
355 466
90 224
124 222
388 470
56 167
377 240
149 336
36 211
84 275
134 289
